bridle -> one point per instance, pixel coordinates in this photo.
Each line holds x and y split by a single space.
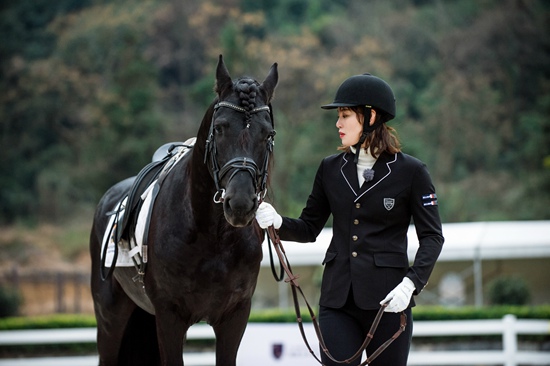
295 286
238 164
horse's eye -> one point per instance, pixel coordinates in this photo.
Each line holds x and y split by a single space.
218 129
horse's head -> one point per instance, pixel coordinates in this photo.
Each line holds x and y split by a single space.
240 143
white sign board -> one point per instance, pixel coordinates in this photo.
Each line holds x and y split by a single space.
277 344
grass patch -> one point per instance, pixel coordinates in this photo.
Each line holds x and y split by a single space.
420 313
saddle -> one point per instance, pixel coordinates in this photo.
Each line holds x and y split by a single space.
128 215
122 226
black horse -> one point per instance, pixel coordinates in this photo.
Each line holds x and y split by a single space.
204 246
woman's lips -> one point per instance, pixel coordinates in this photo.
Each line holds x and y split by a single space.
342 134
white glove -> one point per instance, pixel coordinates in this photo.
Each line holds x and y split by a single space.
267 216
400 296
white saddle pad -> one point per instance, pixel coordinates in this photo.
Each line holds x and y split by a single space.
127 256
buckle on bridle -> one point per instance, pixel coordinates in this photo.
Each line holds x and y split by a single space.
219 196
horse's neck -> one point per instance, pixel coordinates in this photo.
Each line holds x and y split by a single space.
201 190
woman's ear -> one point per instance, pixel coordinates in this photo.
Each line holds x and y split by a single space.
372 116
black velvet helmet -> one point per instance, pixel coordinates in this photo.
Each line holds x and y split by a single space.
365 90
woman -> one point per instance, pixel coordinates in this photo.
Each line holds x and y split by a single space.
372 190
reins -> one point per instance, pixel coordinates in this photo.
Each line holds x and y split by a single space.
273 236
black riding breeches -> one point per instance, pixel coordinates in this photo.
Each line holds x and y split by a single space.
344 331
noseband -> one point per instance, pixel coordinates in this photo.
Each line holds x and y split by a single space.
238 164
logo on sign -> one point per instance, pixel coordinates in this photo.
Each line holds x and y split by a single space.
277 350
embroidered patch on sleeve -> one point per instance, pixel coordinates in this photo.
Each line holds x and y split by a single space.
429 199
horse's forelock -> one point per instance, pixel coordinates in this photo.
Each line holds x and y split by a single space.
249 94
248 90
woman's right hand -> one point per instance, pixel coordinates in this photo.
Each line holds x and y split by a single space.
267 216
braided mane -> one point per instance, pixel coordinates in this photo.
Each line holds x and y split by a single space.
248 89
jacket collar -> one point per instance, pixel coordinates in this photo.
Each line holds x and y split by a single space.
382 169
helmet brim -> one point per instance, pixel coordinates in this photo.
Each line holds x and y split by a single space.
337 105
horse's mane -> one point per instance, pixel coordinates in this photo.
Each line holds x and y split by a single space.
248 89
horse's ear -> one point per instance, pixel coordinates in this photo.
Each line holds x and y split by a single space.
223 79
270 82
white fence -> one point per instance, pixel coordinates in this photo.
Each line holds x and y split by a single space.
260 339
509 327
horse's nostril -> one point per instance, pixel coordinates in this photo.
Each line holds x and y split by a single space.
239 211
240 205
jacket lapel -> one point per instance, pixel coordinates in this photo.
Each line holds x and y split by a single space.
349 172
382 169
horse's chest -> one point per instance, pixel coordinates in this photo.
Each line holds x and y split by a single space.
224 272
200 267
211 283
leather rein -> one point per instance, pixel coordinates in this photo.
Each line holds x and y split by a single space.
273 236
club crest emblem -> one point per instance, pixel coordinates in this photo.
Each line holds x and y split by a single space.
388 203
277 350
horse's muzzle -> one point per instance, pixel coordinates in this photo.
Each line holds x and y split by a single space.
240 201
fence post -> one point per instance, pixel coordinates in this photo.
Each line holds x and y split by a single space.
77 296
60 292
509 339
15 278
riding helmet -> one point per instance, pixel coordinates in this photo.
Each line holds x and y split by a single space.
366 90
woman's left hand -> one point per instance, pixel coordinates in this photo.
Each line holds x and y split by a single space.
400 297
266 216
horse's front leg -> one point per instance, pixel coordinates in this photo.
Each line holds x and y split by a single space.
229 332
171 330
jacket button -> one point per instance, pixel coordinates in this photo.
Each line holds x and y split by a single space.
354 238
354 254
355 222
357 205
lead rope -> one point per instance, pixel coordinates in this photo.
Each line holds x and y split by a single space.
295 286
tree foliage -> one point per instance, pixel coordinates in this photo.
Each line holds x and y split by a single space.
510 290
90 88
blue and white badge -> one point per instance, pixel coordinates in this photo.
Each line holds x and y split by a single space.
429 199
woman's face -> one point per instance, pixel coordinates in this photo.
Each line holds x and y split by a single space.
349 126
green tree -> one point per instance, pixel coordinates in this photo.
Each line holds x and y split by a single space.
91 88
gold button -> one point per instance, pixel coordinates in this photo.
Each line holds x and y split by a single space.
354 238
354 254
356 222
357 205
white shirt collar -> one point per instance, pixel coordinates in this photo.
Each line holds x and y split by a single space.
365 161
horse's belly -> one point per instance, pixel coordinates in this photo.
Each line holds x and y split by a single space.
134 289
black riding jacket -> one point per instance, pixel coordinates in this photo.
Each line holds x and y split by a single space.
368 250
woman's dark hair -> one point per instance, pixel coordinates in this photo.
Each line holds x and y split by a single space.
383 138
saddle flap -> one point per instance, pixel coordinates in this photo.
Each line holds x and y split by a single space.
142 181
